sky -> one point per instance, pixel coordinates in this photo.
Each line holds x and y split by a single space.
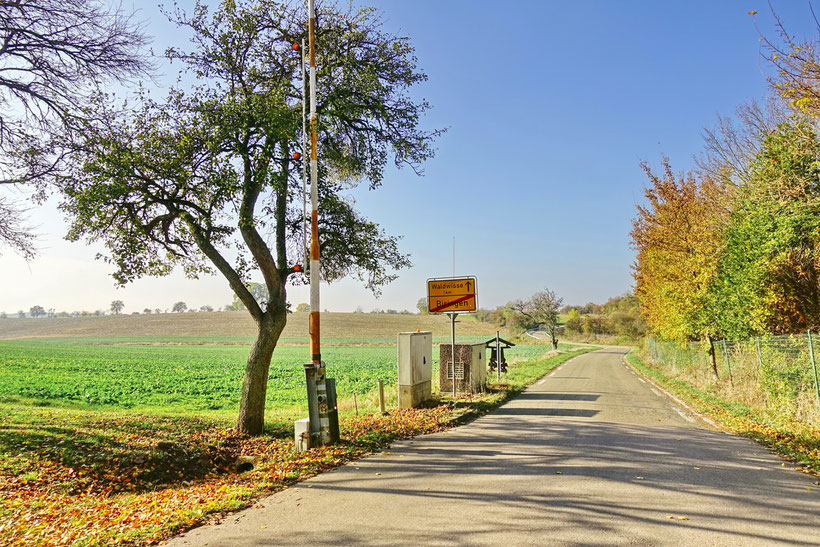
550 107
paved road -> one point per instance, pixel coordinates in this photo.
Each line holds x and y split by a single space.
588 455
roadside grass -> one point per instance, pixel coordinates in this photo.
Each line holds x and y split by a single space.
83 476
798 441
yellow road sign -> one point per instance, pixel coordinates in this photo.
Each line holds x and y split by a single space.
451 295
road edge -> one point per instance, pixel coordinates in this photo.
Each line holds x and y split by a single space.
680 402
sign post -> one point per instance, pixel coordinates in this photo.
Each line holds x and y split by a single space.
452 295
497 358
453 316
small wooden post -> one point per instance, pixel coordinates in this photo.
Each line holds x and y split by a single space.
356 403
757 348
381 397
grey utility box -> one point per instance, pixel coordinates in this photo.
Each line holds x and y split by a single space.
415 352
471 368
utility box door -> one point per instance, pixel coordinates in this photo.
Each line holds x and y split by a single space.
415 358
479 366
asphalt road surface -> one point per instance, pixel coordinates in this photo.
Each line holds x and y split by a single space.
590 454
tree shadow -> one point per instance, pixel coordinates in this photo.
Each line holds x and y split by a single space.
729 489
92 452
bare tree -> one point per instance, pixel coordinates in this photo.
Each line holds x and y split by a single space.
52 54
731 145
13 231
796 66
542 310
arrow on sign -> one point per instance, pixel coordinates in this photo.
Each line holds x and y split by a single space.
468 285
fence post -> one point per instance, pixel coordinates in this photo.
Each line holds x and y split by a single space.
757 347
814 366
381 396
728 365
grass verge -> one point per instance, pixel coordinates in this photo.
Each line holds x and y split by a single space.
72 476
798 442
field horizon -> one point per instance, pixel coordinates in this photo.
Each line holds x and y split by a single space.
237 324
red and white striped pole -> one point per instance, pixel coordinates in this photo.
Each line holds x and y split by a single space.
305 156
315 345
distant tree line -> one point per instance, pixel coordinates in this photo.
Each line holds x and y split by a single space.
620 316
116 308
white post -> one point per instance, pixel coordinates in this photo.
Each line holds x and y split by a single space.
305 257
315 338
453 351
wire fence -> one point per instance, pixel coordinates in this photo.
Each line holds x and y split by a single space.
776 373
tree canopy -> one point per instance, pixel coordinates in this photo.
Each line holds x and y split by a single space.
53 53
678 239
207 178
770 274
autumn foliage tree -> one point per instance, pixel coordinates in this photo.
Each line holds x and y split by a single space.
678 239
736 252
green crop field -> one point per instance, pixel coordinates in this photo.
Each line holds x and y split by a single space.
104 416
187 373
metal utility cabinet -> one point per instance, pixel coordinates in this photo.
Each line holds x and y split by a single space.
415 353
471 368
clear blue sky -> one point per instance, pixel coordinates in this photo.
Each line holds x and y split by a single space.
551 106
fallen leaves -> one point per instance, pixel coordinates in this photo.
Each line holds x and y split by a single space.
677 517
798 440
115 484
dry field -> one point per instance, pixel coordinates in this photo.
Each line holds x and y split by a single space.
226 324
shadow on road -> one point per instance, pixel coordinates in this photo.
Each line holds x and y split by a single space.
641 464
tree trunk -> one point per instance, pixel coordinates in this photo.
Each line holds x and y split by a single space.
712 357
554 340
252 404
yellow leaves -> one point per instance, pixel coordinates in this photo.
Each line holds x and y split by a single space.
753 12
677 517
